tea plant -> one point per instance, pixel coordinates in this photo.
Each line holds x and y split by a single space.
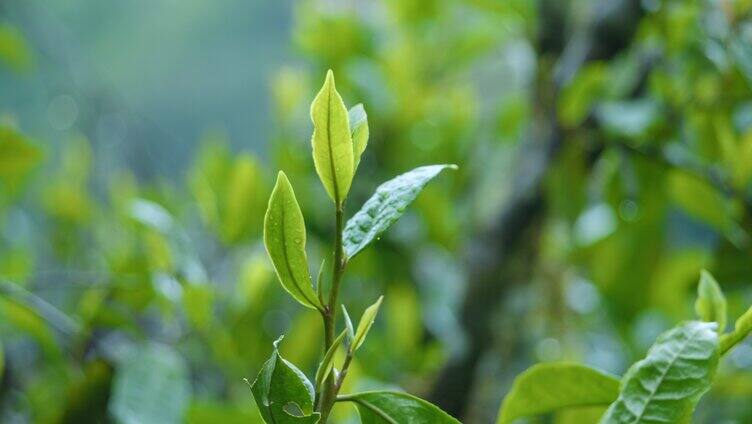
664 387
282 392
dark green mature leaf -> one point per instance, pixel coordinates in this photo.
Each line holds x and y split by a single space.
331 141
396 408
359 130
386 206
549 387
151 387
666 385
283 393
711 303
285 240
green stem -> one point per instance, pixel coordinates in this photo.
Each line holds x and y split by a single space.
329 395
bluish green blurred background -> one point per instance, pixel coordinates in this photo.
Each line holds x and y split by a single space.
605 153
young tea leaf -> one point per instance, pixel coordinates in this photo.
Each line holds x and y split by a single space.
359 131
742 328
550 387
332 142
666 385
285 239
366 321
386 206
349 329
328 362
383 407
283 393
711 303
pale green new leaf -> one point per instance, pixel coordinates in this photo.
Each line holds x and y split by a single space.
384 407
359 131
742 328
348 326
328 362
332 142
283 393
366 321
386 206
710 305
549 387
285 240
666 385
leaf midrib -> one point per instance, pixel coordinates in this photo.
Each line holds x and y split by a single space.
335 186
287 258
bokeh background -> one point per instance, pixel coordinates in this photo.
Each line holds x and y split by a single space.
605 153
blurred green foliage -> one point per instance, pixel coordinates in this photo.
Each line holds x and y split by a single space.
104 268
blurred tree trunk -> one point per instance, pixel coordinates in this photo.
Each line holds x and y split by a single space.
506 253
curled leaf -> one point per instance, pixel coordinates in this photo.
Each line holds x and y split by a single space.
283 393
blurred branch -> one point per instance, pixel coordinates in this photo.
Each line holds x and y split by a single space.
505 253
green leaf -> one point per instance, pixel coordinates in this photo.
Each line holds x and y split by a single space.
711 303
285 240
549 387
366 321
666 385
396 408
151 387
386 206
332 142
283 393
359 132
328 362
742 328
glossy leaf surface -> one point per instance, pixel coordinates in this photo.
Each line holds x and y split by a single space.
285 240
666 385
397 408
386 206
331 141
283 393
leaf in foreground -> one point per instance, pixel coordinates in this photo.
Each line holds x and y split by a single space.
151 387
548 387
331 141
386 206
285 240
283 393
666 385
382 407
